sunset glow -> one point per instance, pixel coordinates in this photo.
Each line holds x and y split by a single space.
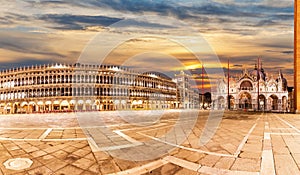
42 32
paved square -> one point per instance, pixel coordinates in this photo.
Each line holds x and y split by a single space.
119 143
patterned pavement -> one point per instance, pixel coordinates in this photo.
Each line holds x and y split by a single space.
166 143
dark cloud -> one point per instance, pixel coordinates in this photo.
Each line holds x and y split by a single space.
240 61
283 17
162 7
145 24
238 31
224 10
268 61
5 21
277 45
264 23
287 52
23 61
30 43
182 11
204 12
23 48
16 16
279 67
174 9
12 18
288 71
208 8
77 22
236 18
56 3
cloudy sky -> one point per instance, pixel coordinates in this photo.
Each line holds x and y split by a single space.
160 35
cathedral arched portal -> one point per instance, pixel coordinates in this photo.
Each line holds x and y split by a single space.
246 92
245 100
273 102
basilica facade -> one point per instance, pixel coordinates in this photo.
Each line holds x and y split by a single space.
252 90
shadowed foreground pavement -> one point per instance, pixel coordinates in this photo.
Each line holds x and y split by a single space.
143 142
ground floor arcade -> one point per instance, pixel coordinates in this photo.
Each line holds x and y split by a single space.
248 101
84 104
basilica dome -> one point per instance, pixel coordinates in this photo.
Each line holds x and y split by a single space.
260 72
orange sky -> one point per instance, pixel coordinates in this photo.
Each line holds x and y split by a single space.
166 36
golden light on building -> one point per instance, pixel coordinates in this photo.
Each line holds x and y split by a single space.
82 87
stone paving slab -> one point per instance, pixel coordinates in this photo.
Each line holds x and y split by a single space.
57 145
50 157
170 168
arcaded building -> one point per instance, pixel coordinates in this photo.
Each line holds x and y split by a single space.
82 87
253 90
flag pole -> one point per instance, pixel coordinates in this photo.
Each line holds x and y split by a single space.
258 77
228 97
202 88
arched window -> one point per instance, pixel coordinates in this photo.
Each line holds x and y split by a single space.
246 85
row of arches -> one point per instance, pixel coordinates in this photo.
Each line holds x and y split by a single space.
247 102
269 87
84 105
87 91
142 81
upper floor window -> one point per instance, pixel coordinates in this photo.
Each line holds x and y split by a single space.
246 85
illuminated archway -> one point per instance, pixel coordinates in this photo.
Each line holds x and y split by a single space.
262 102
245 101
273 102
